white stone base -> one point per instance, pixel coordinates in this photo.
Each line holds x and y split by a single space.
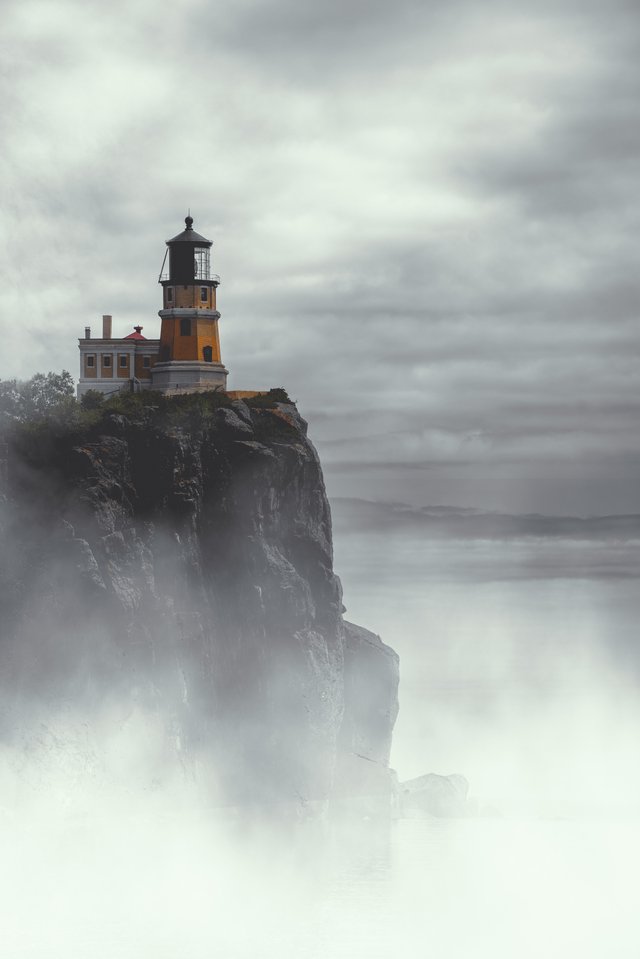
109 386
184 376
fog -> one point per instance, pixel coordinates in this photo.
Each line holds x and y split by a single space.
519 669
136 880
518 647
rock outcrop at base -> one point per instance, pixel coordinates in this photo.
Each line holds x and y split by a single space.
177 561
371 708
445 797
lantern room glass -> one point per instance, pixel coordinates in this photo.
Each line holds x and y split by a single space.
201 264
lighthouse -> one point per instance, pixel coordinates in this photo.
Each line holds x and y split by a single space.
189 355
186 358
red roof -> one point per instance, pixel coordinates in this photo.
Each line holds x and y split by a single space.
137 334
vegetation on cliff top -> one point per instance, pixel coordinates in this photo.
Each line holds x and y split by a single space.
41 412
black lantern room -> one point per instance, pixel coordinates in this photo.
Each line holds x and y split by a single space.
189 259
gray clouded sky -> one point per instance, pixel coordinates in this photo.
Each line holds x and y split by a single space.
425 215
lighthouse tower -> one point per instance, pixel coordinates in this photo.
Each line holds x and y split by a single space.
189 356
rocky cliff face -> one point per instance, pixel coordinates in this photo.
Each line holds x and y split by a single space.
182 565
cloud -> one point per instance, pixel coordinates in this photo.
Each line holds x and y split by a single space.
424 216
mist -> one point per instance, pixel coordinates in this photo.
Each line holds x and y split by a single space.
124 874
519 670
518 645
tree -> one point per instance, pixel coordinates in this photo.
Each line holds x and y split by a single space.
37 396
10 398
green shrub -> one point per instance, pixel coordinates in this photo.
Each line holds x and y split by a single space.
42 413
92 400
269 400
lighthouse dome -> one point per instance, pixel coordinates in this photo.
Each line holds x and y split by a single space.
190 236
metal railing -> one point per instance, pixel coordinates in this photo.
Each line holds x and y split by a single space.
212 276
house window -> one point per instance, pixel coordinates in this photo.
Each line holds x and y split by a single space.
106 359
123 361
146 362
203 294
207 352
91 361
185 327
169 295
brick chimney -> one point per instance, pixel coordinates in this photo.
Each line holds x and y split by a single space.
106 326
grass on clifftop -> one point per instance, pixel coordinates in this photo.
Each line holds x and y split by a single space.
62 418
175 409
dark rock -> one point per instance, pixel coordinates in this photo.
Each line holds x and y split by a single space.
371 706
194 578
442 796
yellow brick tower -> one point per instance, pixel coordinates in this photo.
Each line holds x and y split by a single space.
189 356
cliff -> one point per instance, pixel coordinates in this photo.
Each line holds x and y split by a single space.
176 559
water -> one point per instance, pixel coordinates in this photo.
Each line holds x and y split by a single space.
444 889
490 889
